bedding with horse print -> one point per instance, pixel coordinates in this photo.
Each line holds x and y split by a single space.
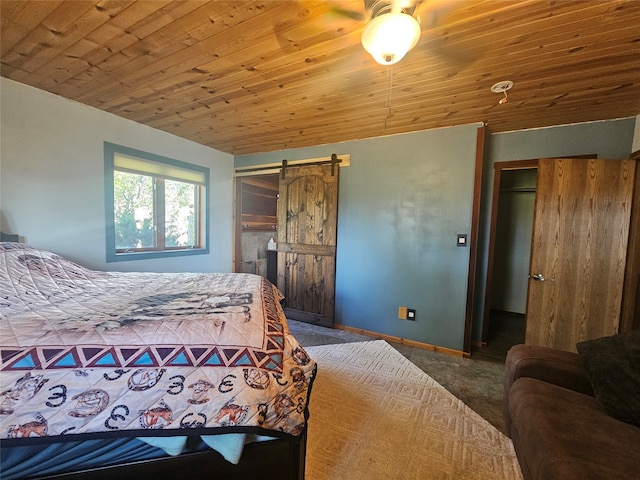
91 354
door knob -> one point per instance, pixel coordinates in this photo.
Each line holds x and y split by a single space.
538 277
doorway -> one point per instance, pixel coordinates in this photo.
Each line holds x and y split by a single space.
286 231
576 253
512 213
514 226
256 225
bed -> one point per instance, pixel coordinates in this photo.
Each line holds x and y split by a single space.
107 373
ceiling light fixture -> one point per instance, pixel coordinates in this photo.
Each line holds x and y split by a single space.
390 35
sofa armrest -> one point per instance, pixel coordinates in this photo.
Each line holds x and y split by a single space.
547 364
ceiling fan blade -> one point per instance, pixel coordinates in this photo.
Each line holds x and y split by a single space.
352 14
313 22
433 15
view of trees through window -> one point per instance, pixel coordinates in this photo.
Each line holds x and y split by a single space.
179 223
155 206
139 203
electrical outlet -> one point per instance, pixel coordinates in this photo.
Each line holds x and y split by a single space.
402 313
411 314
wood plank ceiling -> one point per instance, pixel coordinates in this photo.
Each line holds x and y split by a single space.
256 76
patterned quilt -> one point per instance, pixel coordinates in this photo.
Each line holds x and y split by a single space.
94 353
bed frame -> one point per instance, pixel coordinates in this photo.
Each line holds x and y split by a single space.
278 459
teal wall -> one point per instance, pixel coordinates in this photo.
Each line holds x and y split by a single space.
52 179
611 139
401 203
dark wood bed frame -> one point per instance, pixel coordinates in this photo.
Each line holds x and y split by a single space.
279 459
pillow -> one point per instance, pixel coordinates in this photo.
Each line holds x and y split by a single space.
613 367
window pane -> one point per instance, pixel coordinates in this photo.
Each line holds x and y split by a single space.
180 218
133 210
159 205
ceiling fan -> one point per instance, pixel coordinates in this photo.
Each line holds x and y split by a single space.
310 24
394 26
391 31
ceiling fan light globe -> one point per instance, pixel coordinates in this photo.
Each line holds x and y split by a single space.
390 36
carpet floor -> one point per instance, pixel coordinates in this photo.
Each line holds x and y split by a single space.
375 415
477 381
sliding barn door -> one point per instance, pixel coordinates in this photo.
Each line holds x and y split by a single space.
578 252
307 221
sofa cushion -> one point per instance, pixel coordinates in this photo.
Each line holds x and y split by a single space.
613 367
553 366
561 434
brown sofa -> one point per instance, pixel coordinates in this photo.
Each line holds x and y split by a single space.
558 426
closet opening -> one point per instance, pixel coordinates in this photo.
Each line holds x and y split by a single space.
513 207
256 232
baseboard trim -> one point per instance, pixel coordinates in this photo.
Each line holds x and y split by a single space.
403 341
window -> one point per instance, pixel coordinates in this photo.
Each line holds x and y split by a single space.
155 206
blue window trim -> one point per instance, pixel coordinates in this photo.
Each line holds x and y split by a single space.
110 149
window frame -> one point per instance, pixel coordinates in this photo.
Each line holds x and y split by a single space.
112 254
